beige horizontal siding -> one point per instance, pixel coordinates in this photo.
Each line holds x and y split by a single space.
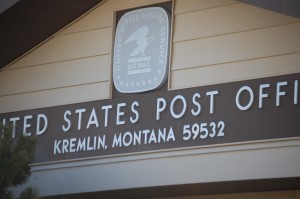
184 6
67 47
237 47
103 15
225 19
54 97
55 75
100 17
71 67
220 36
224 41
236 71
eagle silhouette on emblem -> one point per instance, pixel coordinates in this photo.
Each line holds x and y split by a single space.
141 39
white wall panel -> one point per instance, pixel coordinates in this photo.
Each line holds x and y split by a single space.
172 168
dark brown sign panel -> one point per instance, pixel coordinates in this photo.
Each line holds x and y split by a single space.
251 110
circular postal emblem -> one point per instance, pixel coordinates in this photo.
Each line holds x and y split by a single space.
141 50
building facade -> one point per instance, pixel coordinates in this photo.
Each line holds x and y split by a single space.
222 123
